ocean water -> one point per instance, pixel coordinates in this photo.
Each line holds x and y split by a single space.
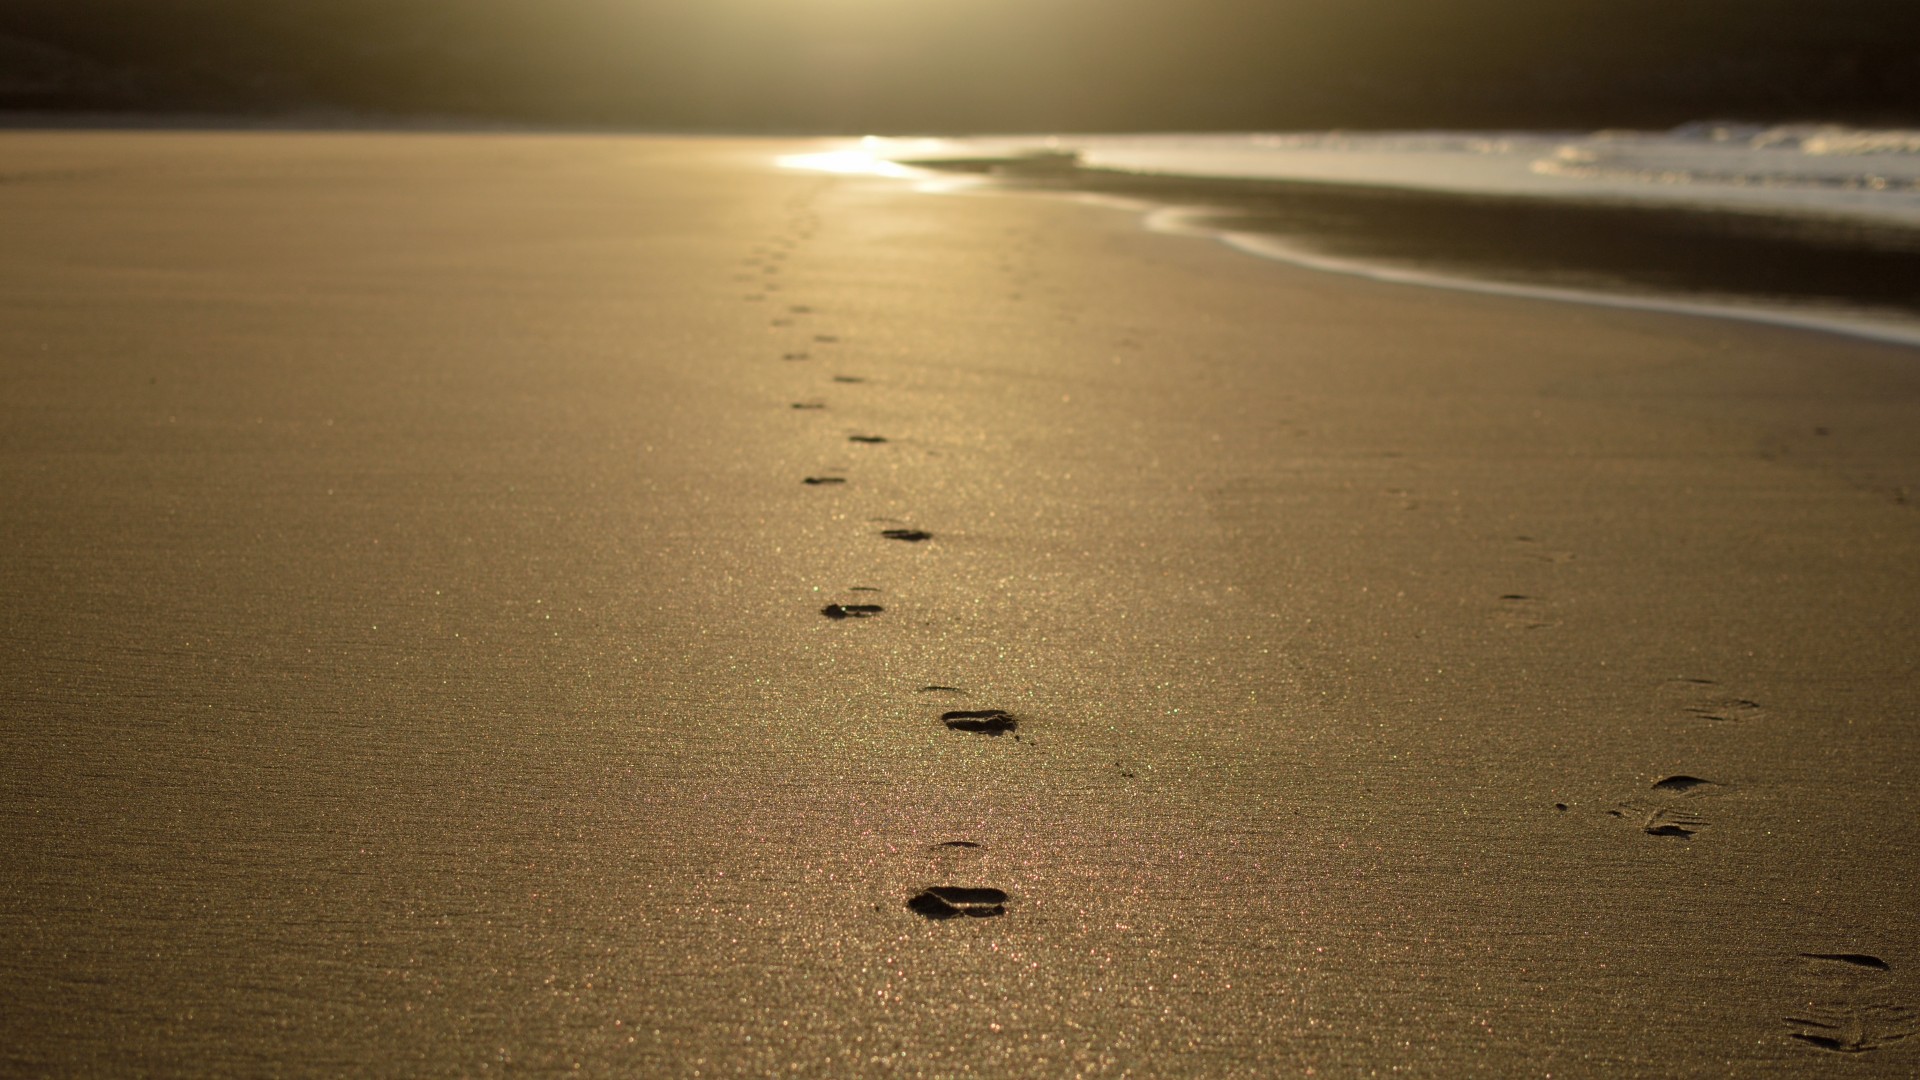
1808 225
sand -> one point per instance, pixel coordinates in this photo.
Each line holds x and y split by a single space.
415 662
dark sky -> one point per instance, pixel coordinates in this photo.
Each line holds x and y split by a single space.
1002 65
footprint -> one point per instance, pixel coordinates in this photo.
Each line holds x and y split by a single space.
818 480
1672 815
1705 699
1546 555
809 405
826 339
952 901
957 844
780 322
848 379
800 309
1726 709
1523 611
980 721
867 438
911 536
851 611
794 356
935 688
1846 1009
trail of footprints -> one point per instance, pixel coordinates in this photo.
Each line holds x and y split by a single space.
947 899
1844 1009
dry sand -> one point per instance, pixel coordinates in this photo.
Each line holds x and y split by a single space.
414 661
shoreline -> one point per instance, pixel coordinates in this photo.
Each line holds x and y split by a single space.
1224 209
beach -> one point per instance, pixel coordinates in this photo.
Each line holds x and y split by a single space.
425 655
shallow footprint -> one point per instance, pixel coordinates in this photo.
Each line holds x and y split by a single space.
911 536
809 405
980 721
1705 699
1524 612
818 480
867 438
851 611
1670 815
849 378
953 901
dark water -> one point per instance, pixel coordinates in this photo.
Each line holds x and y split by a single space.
1812 265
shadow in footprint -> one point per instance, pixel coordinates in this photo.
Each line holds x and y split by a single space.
818 480
1850 959
851 611
980 721
911 536
809 405
1681 784
936 688
953 901
867 438
794 356
849 379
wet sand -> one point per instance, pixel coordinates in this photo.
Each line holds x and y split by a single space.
420 652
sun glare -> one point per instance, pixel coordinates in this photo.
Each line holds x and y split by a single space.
873 156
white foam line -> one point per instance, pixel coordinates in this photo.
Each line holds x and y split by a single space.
1176 220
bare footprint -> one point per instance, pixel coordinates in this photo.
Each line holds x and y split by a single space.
1523 612
1533 549
1706 699
953 901
1671 810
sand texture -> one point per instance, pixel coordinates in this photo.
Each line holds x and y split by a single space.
448 626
